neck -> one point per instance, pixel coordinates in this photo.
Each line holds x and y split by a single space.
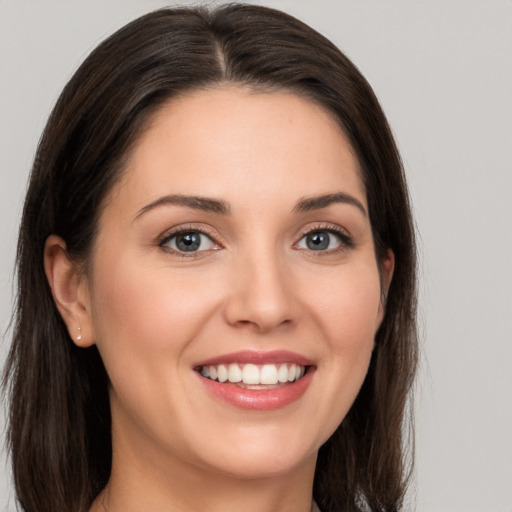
222 494
161 484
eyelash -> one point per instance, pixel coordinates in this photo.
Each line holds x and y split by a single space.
182 230
346 241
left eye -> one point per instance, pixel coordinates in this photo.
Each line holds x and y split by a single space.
321 240
190 241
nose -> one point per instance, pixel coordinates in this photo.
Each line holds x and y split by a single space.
261 295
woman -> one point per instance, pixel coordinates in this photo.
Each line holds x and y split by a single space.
216 267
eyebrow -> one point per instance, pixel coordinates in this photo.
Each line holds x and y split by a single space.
207 204
204 204
323 201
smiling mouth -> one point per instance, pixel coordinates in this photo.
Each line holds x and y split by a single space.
254 376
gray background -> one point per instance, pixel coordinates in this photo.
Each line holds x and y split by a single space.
443 72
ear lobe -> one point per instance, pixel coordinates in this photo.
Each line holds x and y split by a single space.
70 291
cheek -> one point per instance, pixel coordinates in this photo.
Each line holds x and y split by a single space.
155 302
145 317
347 307
349 315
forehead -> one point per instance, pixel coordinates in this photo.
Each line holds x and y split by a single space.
234 140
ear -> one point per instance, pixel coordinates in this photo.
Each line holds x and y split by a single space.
387 267
70 291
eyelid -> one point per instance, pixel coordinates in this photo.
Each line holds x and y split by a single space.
346 239
187 228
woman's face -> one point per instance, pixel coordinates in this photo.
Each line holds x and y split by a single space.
237 245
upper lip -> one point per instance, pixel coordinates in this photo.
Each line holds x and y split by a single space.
257 357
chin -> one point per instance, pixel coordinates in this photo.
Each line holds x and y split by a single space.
263 456
264 466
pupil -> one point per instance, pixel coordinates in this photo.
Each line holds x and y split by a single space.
318 241
188 242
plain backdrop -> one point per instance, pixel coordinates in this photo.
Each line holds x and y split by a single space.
443 73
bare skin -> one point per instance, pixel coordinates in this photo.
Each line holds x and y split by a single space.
269 267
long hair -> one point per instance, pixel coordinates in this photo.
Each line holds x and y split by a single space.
59 418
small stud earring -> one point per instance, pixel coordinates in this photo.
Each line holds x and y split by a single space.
79 337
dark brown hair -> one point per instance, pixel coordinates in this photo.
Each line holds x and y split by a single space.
59 421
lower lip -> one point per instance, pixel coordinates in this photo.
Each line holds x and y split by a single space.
259 399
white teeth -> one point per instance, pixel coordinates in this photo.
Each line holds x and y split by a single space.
282 374
222 373
234 373
267 374
250 374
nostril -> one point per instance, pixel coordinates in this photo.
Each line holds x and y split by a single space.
263 324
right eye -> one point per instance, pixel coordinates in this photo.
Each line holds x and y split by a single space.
189 241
